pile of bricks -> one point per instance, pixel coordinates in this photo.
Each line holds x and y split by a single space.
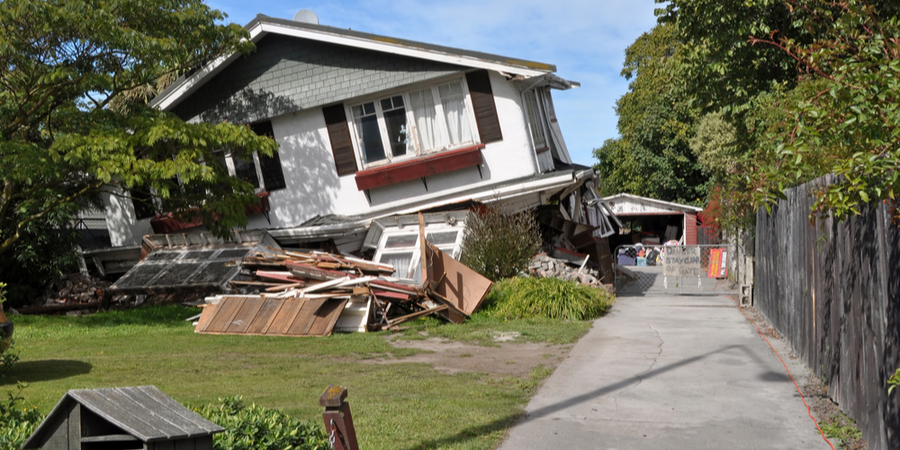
545 266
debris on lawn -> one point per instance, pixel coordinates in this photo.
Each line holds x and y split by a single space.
75 294
545 266
315 293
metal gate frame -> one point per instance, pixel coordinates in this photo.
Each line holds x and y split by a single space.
634 280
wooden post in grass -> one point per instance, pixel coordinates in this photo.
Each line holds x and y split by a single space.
338 421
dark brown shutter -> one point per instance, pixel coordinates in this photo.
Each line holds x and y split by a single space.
341 145
270 166
483 104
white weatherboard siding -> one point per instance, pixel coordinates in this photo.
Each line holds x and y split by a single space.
626 207
124 228
513 157
628 204
313 187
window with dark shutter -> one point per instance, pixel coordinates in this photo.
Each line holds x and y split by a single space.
143 203
273 177
270 166
483 104
341 145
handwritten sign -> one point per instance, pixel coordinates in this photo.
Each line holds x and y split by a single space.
682 262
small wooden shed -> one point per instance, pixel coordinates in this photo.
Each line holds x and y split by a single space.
129 418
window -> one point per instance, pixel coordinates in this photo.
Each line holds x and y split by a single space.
413 123
535 120
263 172
142 202
401 249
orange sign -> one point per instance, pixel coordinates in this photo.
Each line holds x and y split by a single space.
718 263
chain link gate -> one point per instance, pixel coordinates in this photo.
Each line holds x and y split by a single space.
682 269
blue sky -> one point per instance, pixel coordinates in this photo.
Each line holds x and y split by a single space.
585 39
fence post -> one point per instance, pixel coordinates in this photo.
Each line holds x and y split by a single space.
338 421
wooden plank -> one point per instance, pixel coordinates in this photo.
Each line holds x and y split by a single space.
327 316
266 315
416 315
287 277
209 311
247 315
286 316
381 293
305 317
225 311
74 424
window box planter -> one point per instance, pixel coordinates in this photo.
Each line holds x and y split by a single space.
419 168
167 223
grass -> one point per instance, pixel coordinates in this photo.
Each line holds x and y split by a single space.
395 406
481 329
527 297
842 428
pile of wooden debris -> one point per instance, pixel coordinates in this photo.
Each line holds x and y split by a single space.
315 293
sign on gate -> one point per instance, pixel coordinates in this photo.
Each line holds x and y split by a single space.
682 261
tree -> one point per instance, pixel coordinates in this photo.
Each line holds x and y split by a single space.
72 124
656 122
809 87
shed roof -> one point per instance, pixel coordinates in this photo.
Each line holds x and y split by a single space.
263 25
615 200
145 412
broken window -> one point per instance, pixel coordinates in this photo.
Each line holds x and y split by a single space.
413 123
536 120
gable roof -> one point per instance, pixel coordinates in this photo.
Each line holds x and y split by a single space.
145 412
650 201
263 25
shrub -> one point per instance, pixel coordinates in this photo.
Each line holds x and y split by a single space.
17 422
499 245
257 428
525 298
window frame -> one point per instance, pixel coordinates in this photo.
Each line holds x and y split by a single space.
536 125
453 249
412 129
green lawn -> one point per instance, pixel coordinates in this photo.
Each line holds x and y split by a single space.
395 406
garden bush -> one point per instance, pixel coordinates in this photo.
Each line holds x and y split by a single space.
526 298
257 428
499 245
17 421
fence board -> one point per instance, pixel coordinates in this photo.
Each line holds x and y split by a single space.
833 291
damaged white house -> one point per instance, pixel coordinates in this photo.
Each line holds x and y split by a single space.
371 127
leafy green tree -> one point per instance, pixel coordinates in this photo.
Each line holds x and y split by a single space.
845 118
71 126
656 122
808 86
74 120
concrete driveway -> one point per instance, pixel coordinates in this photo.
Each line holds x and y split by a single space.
669 372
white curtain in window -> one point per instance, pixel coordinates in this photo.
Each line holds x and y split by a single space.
425 117
454 102
400 261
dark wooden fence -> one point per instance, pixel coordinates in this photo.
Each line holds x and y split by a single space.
833 290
